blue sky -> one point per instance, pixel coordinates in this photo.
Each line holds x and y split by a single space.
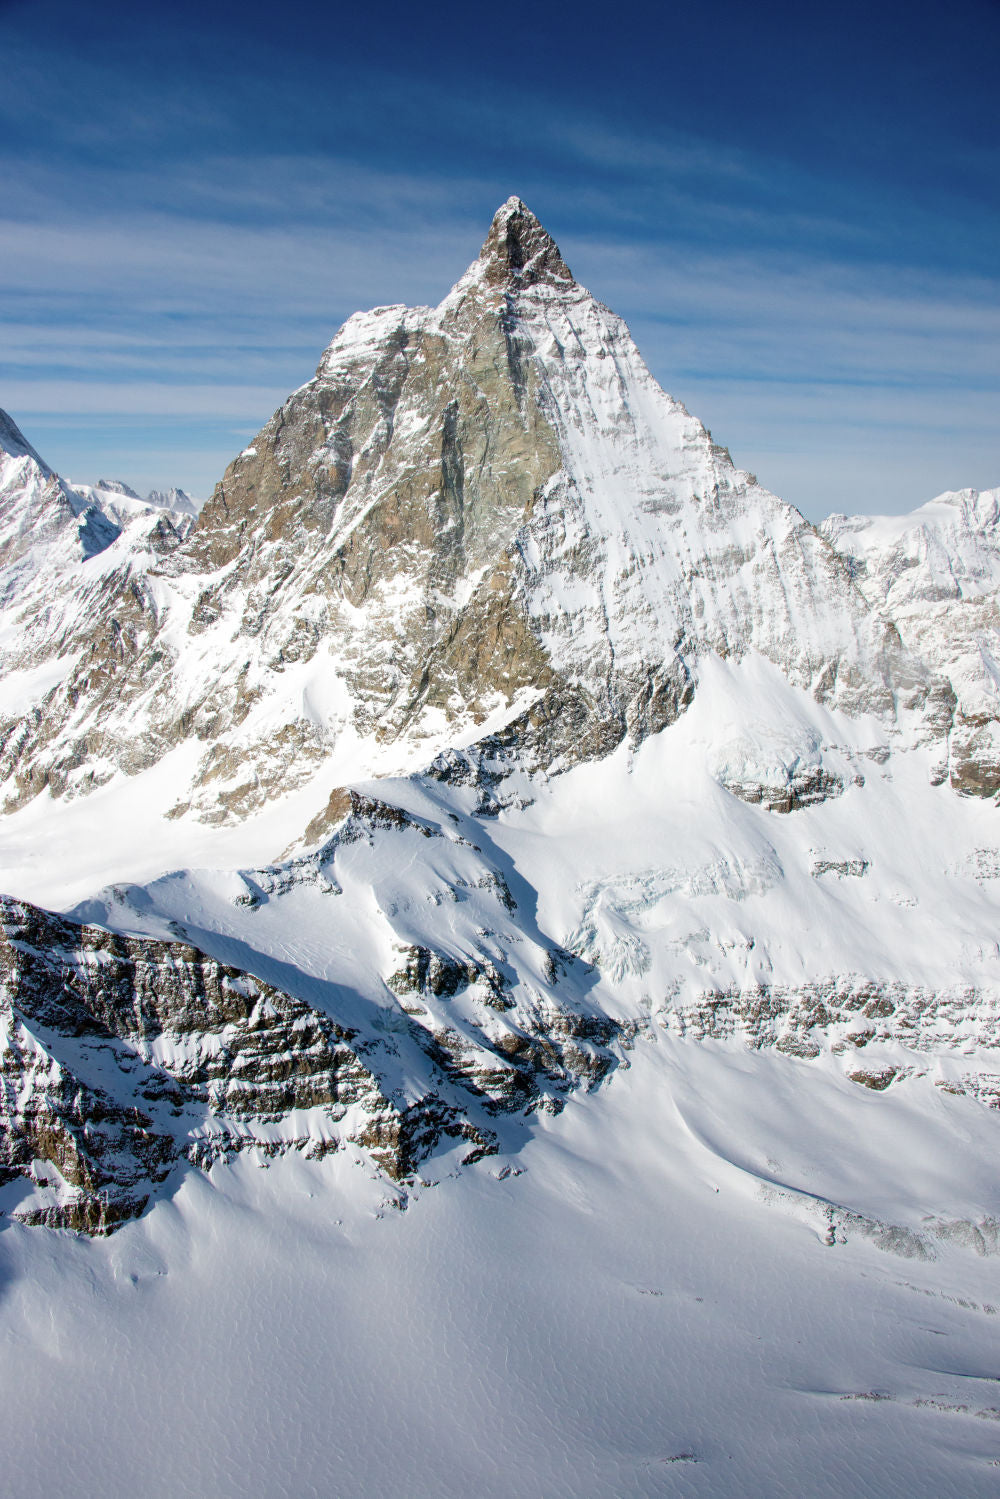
795 208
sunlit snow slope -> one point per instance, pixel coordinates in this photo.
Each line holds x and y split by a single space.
523 1013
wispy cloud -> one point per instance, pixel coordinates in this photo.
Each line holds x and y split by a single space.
147 398
176 261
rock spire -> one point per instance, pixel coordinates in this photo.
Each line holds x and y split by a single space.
518 248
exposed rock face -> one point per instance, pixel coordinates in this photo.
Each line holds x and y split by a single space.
936 572
124 1059
794 786
483 517
554 1052
519 253
125 1056
479 549
847 1015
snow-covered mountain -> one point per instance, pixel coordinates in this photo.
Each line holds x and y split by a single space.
936 573
493 777
121 503
39 510
72 522
479 518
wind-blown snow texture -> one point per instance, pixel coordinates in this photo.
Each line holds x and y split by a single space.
495 805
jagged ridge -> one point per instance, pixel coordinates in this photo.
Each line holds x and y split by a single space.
480 515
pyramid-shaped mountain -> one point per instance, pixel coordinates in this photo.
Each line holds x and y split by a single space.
497 805
479 519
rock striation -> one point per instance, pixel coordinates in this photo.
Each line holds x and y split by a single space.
125 1060
563 733
480 517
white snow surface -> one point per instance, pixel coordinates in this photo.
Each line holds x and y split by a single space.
639 1297
726 1271
40 509
936 570
121 504
649 1306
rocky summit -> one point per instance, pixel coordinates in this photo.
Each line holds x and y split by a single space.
486 726
482 518
499 964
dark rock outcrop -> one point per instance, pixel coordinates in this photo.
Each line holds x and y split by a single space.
125 1058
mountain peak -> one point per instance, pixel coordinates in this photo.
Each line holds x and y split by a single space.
14 443
518 248
117 486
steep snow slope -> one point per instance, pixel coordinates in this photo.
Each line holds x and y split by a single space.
564 896
487 959
476 517
937 573
647 1304
39 511
649 538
